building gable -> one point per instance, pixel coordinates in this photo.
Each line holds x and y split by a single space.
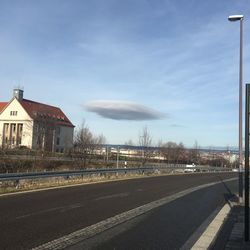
14 111
34 125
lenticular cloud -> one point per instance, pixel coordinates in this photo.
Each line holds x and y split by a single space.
121 110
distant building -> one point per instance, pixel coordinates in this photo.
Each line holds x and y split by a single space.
25 123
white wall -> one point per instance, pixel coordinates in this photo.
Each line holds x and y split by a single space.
21 117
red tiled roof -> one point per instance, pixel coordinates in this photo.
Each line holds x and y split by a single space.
38 110
2 105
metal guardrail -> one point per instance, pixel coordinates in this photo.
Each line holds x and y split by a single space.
85 172
67 174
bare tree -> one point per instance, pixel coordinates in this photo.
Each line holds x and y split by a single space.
100 140
86 143
145 142
173 152
44 132
180 153
97 144
83 141
195 156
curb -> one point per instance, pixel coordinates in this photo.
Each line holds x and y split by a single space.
210 235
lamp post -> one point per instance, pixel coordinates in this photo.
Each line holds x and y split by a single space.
240 18
117 156
247 134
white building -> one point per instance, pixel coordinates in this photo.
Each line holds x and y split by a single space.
34 125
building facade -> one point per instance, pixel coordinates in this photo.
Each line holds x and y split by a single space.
26 123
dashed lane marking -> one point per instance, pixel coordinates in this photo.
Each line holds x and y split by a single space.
120 195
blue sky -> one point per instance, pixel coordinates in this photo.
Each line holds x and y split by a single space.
176 62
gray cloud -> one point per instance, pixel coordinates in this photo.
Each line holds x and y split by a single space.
121 110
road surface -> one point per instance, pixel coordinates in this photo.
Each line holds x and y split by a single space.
31 219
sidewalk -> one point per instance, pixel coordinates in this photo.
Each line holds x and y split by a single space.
231 235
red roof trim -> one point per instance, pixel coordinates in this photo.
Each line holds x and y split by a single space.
2 106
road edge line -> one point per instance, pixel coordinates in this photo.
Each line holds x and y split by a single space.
212 231
92 230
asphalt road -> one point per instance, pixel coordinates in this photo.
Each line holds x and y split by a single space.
31 219
171 226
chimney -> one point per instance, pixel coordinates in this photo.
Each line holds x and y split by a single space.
18 93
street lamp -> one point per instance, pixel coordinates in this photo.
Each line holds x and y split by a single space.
240 18
247 134
235 18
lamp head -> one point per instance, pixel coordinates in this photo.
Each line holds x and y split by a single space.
234 18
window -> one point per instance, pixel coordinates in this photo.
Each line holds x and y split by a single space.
13 113
57 141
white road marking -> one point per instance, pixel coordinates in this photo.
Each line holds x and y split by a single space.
90 231
60 209
73 206
120 195
209 235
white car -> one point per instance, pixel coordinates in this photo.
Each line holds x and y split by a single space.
235 170
190 168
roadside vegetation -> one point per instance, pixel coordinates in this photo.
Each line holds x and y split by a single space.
92 151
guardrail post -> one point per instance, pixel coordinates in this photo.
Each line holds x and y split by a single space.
17 183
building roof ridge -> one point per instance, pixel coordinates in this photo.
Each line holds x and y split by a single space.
27 100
